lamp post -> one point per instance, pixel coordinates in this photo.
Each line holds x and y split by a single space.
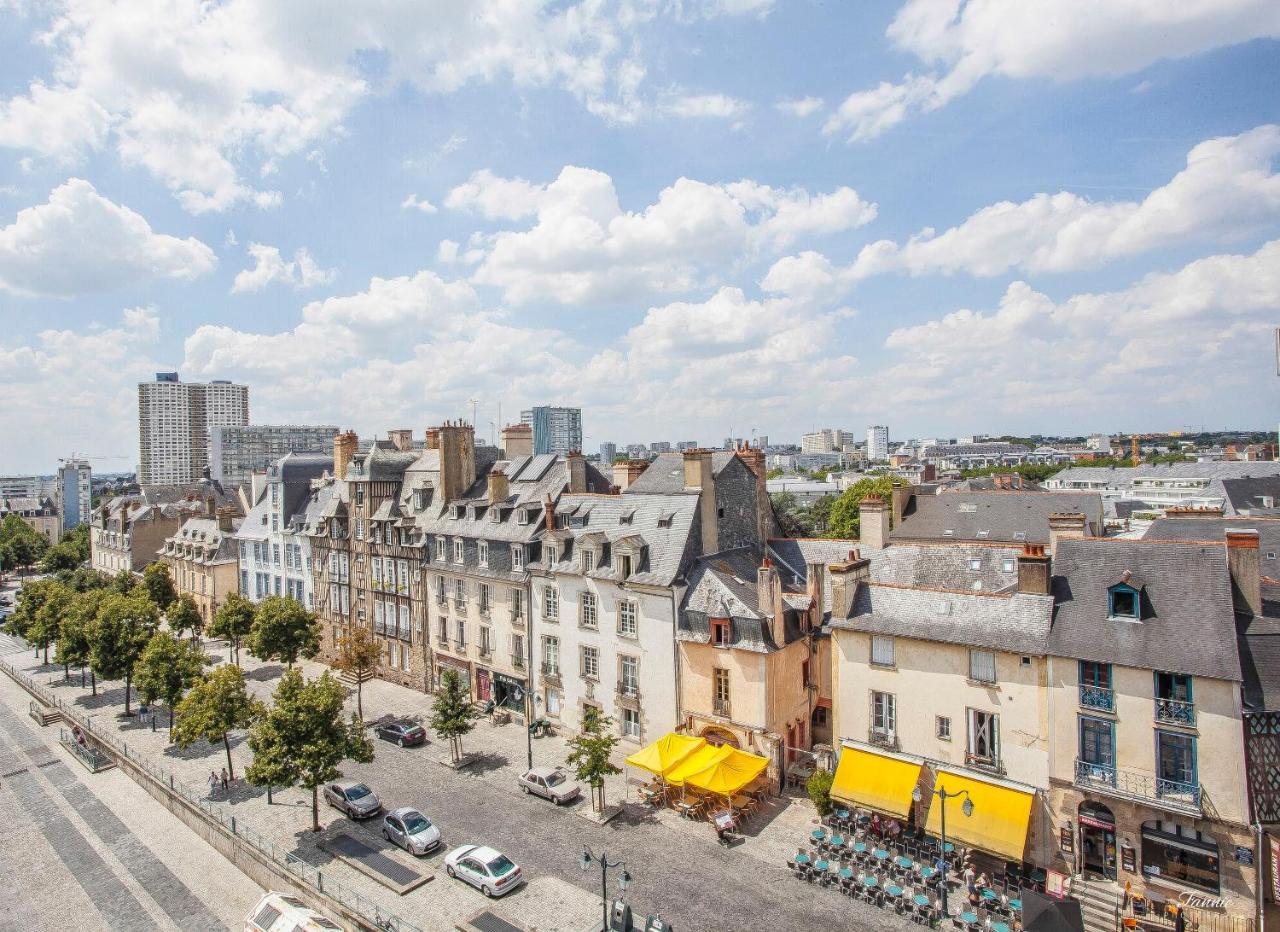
531 702
585 861
966 808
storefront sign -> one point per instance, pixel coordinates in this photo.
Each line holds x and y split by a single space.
1129 859
1095 823
1066 839
1274 843
1055 884
1244 855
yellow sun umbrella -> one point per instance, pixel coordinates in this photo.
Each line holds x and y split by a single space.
666 754
728 775
697 762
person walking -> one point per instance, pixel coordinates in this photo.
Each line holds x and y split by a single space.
226 781
213 784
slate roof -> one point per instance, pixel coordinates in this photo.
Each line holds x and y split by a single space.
723 585
1187 620
1250 496
1259 645
1014 517
380 464
663 523
665 474
1123 476
1215 529
208 542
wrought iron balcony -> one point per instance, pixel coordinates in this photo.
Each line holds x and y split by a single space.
628 690
517 661
720 707
1097 697
882 737
983 762
1129 784
1175 712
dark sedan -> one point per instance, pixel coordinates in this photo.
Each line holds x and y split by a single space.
402 733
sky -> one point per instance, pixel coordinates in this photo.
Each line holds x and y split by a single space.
692 218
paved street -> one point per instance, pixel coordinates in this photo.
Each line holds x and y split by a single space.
679 870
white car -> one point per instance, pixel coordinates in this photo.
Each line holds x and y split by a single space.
411 830
488 870
551 783
282 912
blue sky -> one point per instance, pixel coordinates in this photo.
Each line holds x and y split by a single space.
686 216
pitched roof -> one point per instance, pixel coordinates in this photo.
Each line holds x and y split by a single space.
1252 496
997 516
662 523
665 474
1187 622
1259 646
1215 529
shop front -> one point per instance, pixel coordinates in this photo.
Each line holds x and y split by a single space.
461 667
1175 853
509 693
1097 839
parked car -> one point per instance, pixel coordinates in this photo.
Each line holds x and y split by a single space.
282 912
404 734
550 782
354 799
488 870
411 830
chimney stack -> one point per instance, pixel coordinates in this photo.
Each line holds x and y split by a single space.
345 445
1034 570
626 472
1246 570
401 439
844 582
815 588
210 506
699 475
226 519
900 497
499 486
433 438
769 597
548 512
1063 525
457 459
754 459
577 472
873 523
517 440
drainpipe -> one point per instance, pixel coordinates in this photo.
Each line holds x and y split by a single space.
1259 857
677 596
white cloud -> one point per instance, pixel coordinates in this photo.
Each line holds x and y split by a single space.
1227 189
1062 40
447 251
707 106
81 242
423 205
800 106
584 248
269 266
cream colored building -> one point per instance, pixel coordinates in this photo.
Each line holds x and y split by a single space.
203 558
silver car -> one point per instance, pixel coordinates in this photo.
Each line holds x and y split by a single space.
550 783
354 799
411 830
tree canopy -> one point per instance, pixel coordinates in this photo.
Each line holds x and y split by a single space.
232 623
158 582
359 654
283 630
590 754
303 738
214 706
452 714
844 523
184 616
75 638
167 668
120 632
21 545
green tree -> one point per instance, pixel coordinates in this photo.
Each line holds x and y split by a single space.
216 705
159 585
47 623
302 738
122 582
819 789
452 714
283 630
21 545
31 598
183 615
590 754
167 668
844 523
60 557
82 579
123 626
232 623
359 654
75 640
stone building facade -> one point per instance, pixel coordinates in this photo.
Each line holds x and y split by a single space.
203 559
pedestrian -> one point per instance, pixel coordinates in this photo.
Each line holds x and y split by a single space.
213 783
226 781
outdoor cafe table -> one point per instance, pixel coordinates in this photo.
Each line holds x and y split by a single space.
948 848
926 873
822 865
818 834
859 847
1016 905
842 813
837 840
894 890
904 862
990 895
880 854
870 882
968 918
921 899
999 927
802 859
846 873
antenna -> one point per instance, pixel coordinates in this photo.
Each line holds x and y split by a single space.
475 405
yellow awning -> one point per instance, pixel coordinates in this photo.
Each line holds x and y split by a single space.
729 775
665 754
1001 814
697 762
877 781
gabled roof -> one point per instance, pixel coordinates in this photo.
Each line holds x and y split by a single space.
1259 645
662 524
1187 619
1253 496
1013 517
665 475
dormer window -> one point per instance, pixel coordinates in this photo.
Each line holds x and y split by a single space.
517 557
553 554
1122 602
420 499
588 560
625 567
522 516
459 511
359 494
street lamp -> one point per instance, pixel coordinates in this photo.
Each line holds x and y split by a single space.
966 808
531 701
585 861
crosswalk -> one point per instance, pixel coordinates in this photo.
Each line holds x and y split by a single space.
11 644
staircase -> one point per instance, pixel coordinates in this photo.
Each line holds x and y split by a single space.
1099 900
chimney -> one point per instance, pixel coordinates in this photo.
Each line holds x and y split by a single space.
1246 571
1189 511
901 496
699 475
226 519
1034 570
210 507
626 472
517 440
873 523
769 597
499 486
844 582
815 588
577 472
344 447
548 512
1063 525
457 459
401 439
433 438
754 459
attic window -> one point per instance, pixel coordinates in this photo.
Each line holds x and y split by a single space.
459 511
975 565
420 499
948 533
968 508
522 516
983 534
626 516
720 632
665 519
1122 602
1271 554
1008 565
1019 535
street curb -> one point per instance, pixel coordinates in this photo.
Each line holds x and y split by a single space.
599 818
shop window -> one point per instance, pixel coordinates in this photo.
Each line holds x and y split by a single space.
1181 855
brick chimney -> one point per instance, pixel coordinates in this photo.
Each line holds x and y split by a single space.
873 521
753 457
1035 570
499 486
626 472
517 440
699 474
226 519
548 513
815 588
577 472
401 439
1189 511
345 445
433 438
901 496
1064 525
210 506
845 577
457 459
769 597
1246 570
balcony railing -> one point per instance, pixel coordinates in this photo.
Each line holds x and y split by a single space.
882 737
517 620
1097 697
1175 712
459 605
629 690
1132 785
721 707
459 647
517 661
983 762
551 672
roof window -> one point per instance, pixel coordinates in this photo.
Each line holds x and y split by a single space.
1122 602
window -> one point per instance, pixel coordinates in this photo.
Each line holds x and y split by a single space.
628 676
244 582
1098 748
442 595
482 552
720 691
551 656
517 649
1169 850
1008 565
404 622
378 622
1122 602
975 565
551 603
882 650
553 702
588 560
628 619
359 528
984 738
625 565
517 603
485 643
587 610
631 723
884 715
387 532
721 632
590 663
942 727
553 555
459 590
483 593
1095 686
517 557
1175 764
458 550
359 494
982 666
443 630
402 579
460 633
442 550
